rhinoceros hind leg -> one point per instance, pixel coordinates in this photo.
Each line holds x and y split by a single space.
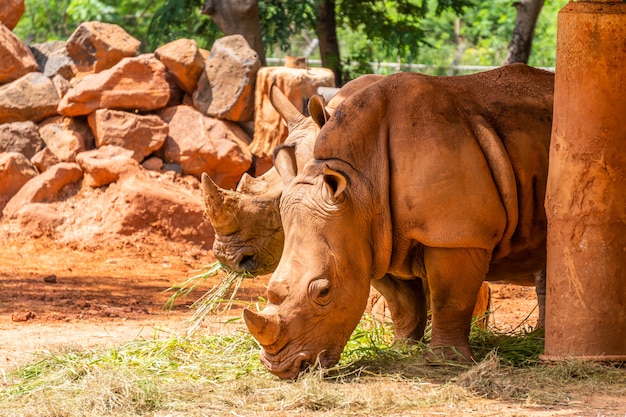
406 301
454 276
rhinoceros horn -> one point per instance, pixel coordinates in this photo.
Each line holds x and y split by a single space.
265 328
285 108
220 206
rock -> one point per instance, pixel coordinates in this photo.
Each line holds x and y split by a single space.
59 64
32 97
163 208
11 12
133 84
44 187
44 159
38 219
22 137
61 84
50 279
20 316
143 134
226 86
65 137
17 59
298 85
43 50
106 164
140 206
204 144
15 171
96 46
153 163
184 61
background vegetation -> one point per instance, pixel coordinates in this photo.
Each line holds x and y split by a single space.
437 33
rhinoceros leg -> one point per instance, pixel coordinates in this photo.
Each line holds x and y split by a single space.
454 276
406 301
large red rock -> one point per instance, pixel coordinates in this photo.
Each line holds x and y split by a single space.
32 97
11 12
96 46
142 134
140 206
226 86
17 59
44 187
184 61
15 171
44 159
65 137
135 84
204 144
106 164
22 137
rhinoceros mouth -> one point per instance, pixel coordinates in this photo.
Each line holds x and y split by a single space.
289 367
285 368
244 260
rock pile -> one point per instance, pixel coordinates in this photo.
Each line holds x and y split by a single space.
90 119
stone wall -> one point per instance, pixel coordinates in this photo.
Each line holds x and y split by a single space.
91 111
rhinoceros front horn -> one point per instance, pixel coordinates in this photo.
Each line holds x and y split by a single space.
263 327
220 205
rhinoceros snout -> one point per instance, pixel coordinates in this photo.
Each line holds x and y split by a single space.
240 262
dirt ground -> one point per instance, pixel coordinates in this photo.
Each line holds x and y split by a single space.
53 295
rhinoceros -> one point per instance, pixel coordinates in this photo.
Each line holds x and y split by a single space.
430 184
248 232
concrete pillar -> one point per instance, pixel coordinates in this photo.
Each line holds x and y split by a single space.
586 195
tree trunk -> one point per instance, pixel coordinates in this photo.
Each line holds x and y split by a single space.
521 44
238 17
327 35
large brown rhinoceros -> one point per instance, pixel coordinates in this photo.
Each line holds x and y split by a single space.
248 232
434 180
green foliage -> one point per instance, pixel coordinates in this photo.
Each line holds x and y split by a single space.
47 20
176 19
284 20
403 31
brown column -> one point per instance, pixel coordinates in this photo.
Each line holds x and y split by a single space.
586 196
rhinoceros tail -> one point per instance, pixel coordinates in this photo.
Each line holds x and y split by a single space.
504 177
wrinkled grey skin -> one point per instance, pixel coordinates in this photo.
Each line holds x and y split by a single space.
248 231
466 205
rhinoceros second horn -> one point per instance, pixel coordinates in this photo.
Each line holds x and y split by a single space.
285 108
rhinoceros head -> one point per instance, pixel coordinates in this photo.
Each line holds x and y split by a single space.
320 288
246 221
248 231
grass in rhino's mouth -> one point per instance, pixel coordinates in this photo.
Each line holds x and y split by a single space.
218 300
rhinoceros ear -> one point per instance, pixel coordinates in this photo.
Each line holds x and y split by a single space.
335 181
317 110
285 162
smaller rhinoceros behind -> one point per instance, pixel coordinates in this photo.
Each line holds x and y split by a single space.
248 231
429 183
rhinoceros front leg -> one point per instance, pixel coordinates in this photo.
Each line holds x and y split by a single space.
406 301
454 276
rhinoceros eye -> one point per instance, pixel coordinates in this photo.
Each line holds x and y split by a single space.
319 290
